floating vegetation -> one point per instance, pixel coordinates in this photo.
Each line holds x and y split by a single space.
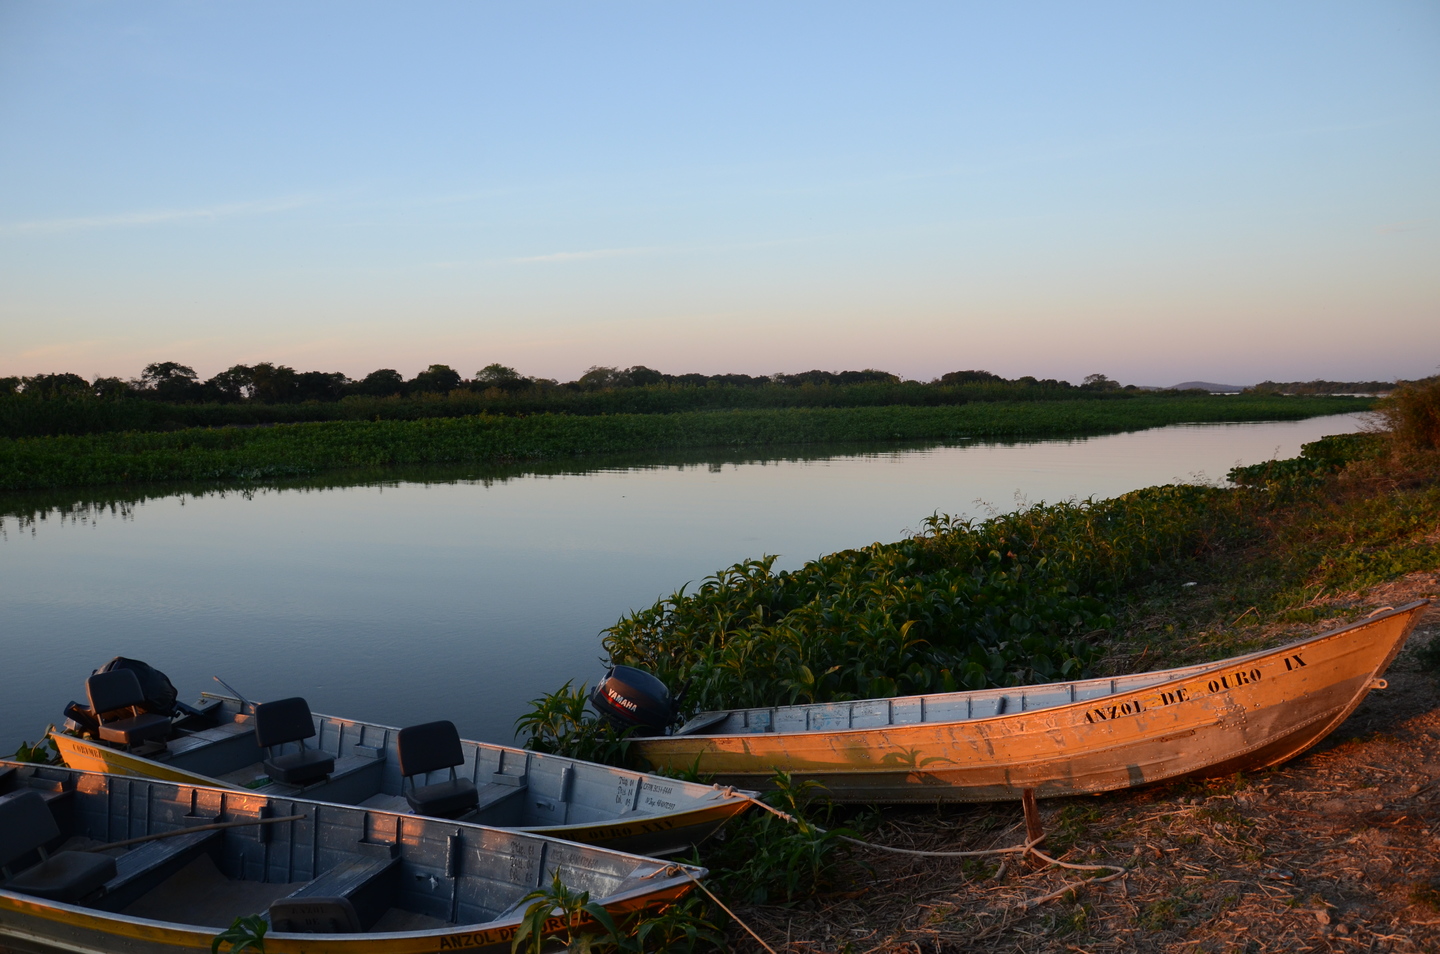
300 450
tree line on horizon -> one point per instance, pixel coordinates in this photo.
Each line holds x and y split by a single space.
1319 386
266 383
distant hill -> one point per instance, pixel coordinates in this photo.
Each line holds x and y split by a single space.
1207 386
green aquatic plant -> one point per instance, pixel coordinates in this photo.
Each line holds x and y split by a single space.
43 752
585 927
246 934
767 859
559 724
550 905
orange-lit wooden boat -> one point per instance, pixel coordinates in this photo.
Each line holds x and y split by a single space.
1058 739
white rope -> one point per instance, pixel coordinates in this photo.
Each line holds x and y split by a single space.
1026 849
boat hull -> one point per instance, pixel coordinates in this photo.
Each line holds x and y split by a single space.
1237 715
29 926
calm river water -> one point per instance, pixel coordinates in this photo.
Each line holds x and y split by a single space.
463 594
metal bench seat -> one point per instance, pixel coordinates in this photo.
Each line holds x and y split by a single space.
349 897
26 826
145 866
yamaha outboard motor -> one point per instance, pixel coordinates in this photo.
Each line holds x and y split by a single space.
630 698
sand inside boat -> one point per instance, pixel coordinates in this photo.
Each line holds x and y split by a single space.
200 894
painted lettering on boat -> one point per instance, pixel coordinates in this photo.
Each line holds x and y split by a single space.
1234 680
454 942
87 750
646 827
1114 711
1293 662
1170 697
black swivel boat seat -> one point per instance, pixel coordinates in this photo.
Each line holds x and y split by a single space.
119 690
429 748
281 722
66 876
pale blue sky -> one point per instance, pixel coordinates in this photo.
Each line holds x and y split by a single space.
1159 192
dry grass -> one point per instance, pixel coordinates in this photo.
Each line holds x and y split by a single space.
1338 850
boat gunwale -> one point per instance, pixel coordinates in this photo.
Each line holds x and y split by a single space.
676 742
701 789
66 912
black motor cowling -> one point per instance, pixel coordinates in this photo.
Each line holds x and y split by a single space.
160 694
630 698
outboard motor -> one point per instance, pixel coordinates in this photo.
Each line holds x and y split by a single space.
630 698
160 694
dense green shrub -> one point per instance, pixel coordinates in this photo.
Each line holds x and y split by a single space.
1412 414
1016 599
1317 459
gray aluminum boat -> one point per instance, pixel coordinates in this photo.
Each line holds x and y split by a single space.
328 879
216 743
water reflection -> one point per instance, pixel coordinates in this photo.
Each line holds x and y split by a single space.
462 592
26 510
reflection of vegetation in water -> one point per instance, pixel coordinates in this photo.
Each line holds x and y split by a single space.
277 453
28 508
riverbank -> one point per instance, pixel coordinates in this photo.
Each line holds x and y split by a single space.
1333 852
1331 848
298 450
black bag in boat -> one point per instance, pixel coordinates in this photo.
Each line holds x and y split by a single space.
160 694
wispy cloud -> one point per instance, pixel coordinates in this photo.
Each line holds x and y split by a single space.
155 217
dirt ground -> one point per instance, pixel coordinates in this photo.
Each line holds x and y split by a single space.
1336 851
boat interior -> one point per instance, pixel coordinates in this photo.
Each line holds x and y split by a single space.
332 869
423 769
917 710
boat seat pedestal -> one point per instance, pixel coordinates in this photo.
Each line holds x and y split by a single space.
299 768
448 799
